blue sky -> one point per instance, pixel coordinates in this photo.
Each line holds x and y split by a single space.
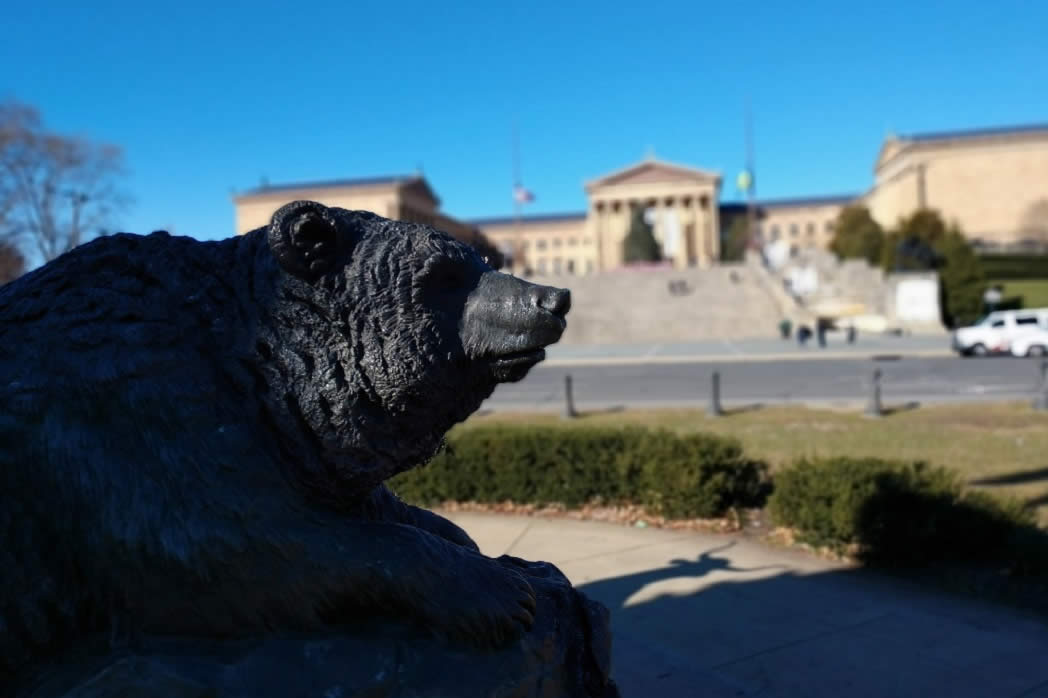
210 97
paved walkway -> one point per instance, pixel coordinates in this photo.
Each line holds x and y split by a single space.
713 615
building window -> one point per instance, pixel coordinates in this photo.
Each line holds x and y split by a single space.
793 230
585 241
524 245
829 226
556 265
589 266
556 242
811 229
774 232
540 244
571 266
540 265
572 242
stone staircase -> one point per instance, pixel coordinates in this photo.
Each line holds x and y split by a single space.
731 301
817 284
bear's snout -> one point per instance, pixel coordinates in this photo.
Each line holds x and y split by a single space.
554 300
511 321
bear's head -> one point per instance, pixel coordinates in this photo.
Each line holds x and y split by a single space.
398 331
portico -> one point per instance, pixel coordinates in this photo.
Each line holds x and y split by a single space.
679 202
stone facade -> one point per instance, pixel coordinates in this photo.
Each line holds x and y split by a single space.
549 244
680 202
803 223
402 197
993 183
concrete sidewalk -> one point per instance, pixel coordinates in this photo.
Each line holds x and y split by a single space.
721 615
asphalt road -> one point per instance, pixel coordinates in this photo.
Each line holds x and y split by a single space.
844 381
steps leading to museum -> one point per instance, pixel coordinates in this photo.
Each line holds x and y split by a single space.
629 306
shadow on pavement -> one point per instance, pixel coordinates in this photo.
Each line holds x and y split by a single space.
707 627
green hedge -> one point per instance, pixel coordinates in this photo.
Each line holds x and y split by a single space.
1014 266
892 513
677 476
905 514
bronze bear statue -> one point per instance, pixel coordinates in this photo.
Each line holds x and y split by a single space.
194 436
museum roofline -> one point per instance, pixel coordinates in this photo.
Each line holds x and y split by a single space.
532 218
799 201
895 145
385 180
965 134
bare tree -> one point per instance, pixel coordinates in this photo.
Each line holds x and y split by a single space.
56 191
12 263
1034 225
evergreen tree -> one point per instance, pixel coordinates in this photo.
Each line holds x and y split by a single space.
734 247
962 281
640 244
857 235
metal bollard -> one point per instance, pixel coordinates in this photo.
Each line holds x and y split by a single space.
569 400
873 405
1041 401
715 409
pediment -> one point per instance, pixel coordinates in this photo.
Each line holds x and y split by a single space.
653 171
891 147
420 187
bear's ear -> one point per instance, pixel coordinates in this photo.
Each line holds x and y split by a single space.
304 239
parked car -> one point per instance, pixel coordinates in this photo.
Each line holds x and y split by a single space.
996 332
1032 343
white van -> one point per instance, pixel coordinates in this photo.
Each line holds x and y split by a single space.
995 333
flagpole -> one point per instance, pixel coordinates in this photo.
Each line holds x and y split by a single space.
517 247
751 189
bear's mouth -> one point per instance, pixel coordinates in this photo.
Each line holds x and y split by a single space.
517 358
512 367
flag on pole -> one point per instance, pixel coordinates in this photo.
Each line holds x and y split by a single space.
522 195
744 181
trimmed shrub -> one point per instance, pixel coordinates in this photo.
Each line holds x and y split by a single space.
899 513
698 475
677 476
1014 266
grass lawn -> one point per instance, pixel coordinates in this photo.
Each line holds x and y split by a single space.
1002 448
1033 291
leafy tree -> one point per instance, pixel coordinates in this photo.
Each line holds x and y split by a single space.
924 241
857 235
738 239
1034 225
56 191
640 244
12 263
